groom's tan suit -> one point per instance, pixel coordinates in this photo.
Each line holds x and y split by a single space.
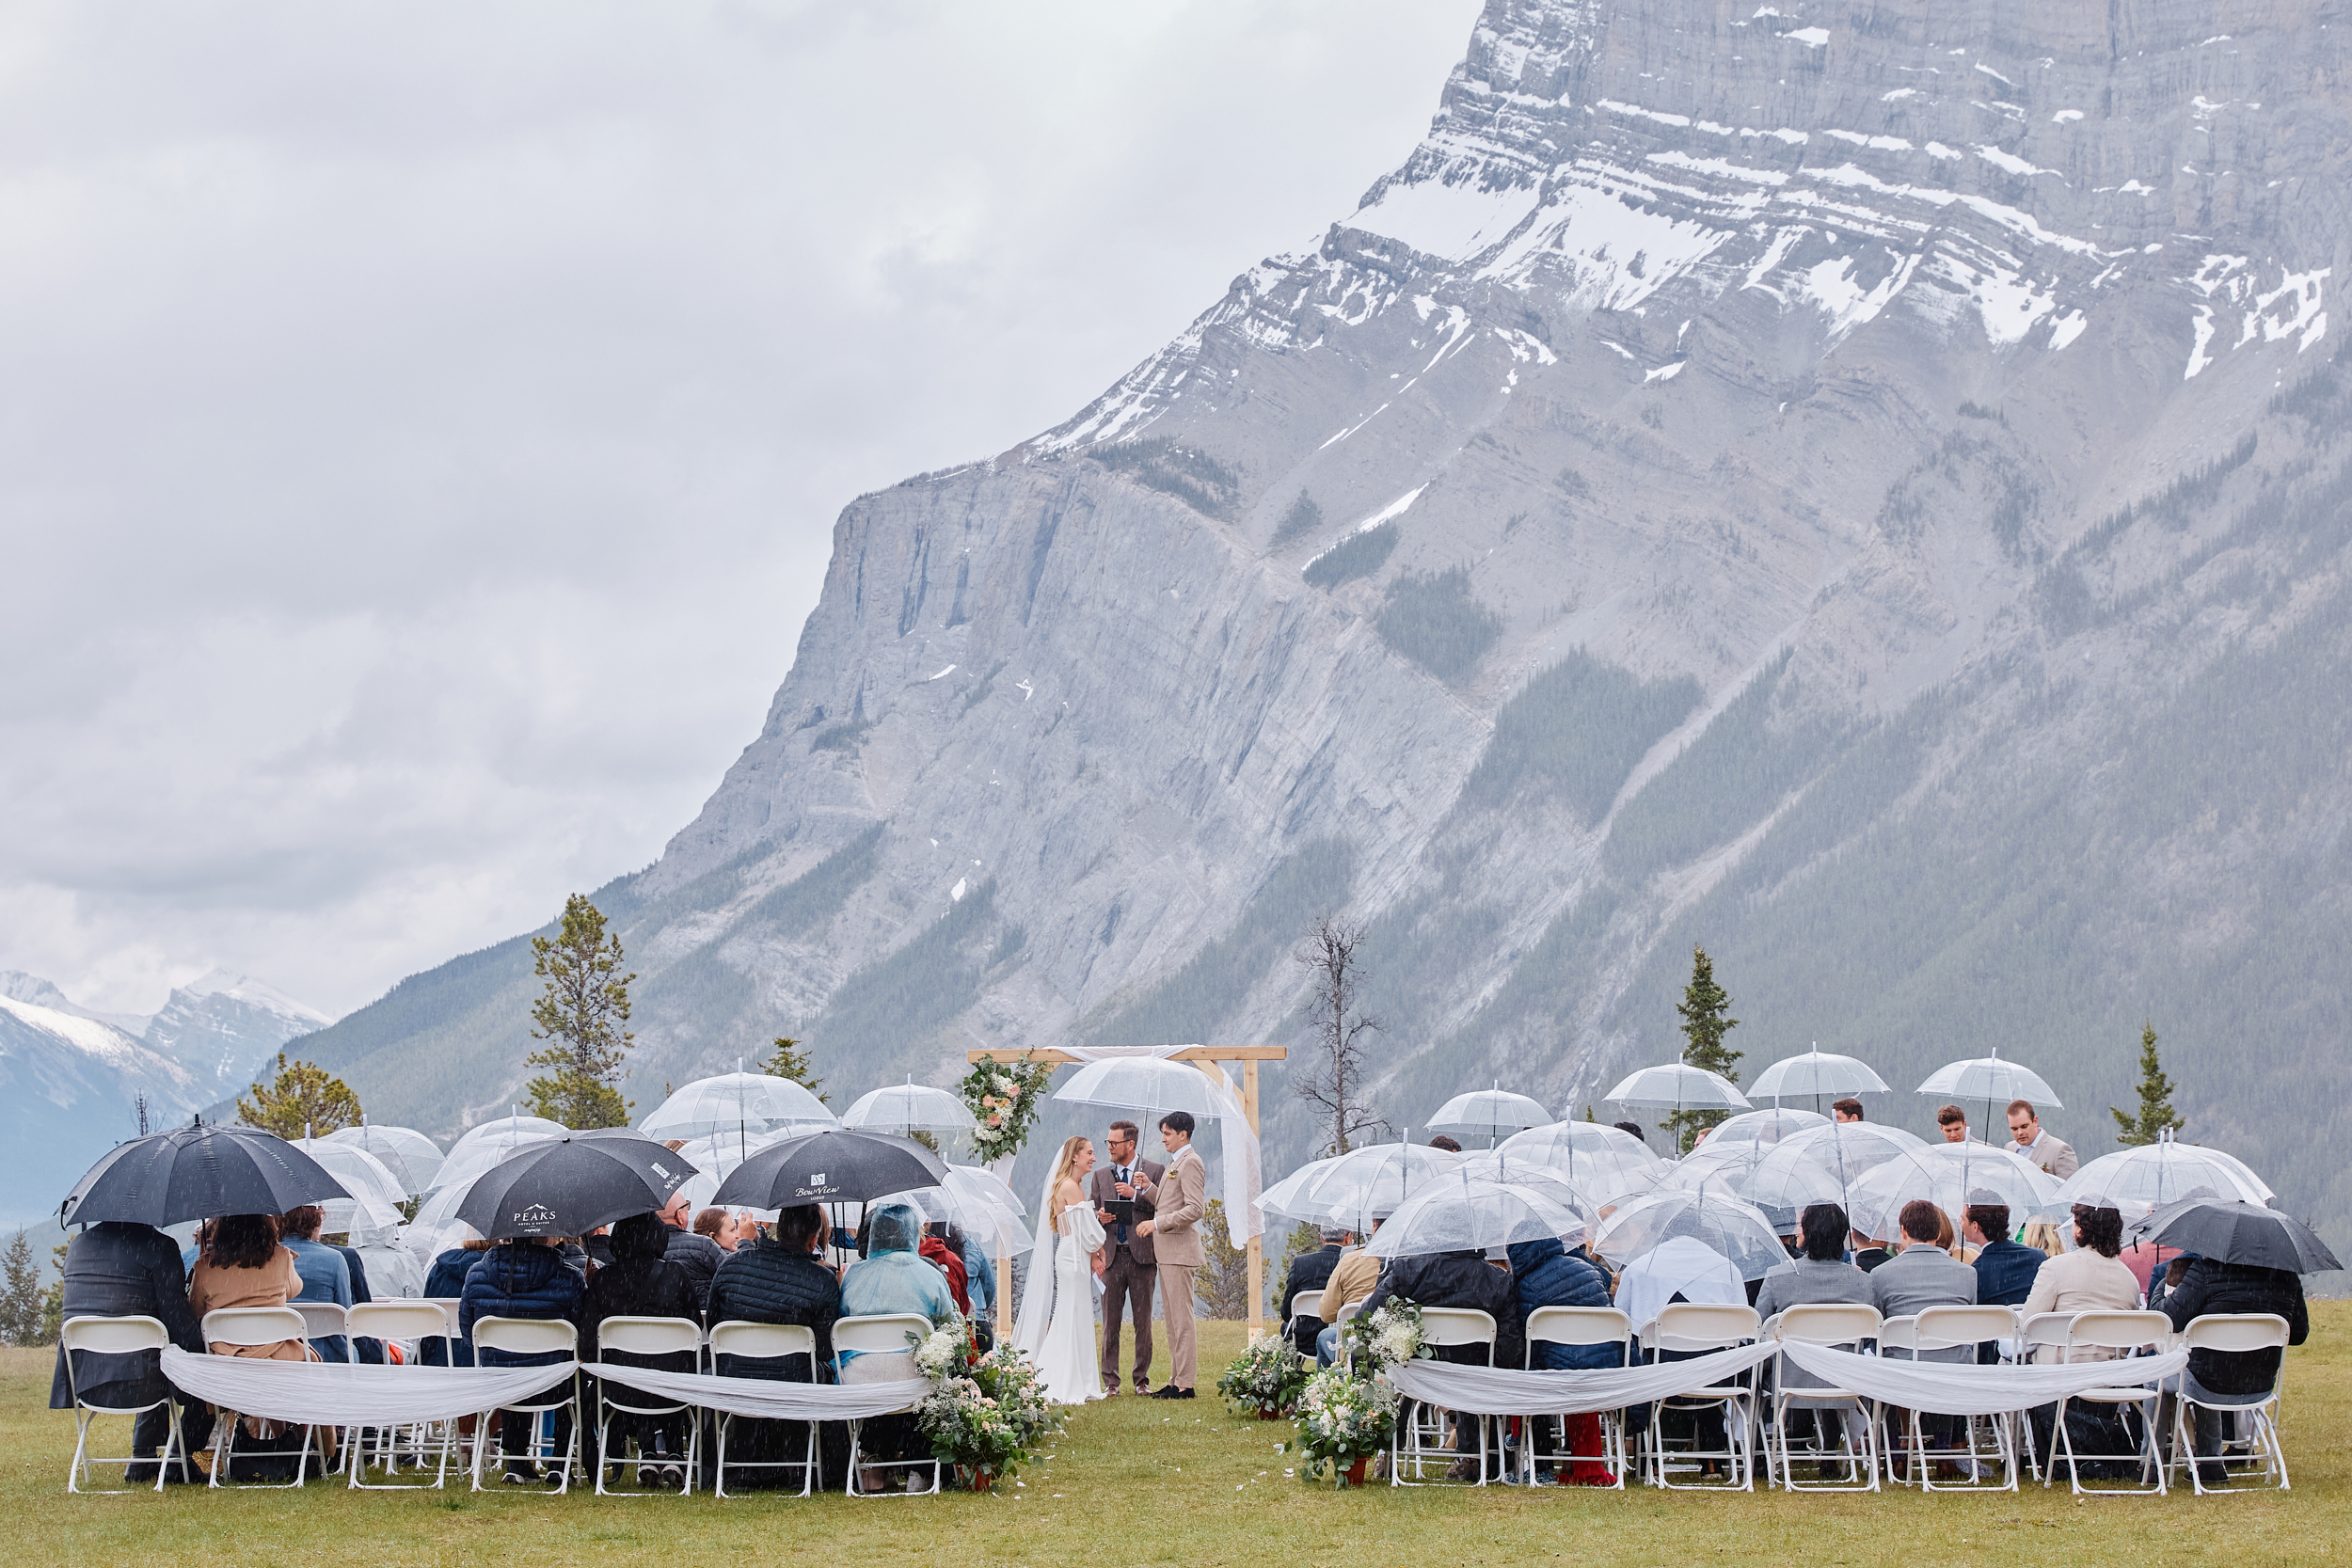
1180 1199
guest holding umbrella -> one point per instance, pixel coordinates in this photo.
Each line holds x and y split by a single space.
522 1277
781 1280
641 1283
120 1269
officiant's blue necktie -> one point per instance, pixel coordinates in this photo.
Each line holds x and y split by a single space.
1122 1175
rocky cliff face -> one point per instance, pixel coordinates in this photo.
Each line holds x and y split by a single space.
1859 485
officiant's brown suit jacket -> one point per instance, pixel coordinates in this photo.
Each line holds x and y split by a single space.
1101 1187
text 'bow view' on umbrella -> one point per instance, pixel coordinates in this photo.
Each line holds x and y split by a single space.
570 1186
196 1173
908 1108
1488 1113
1817 1074
2234 1232
830 1165
1457 1215
414 1159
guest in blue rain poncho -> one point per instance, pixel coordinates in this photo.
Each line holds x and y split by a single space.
893 1277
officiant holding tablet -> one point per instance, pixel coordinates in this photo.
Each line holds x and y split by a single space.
1121 1188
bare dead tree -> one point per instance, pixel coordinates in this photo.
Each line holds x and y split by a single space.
1334 1081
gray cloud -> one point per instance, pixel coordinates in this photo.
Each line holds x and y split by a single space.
423 427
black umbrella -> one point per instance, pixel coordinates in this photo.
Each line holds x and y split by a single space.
2238 1232
570 1186
195 1173
831 1165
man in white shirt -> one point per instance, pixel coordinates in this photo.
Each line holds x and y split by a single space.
2030 1138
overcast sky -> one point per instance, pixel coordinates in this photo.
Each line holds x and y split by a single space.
422 426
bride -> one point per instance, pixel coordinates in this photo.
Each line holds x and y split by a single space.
1057 1327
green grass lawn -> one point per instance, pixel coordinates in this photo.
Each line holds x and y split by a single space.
1143 1482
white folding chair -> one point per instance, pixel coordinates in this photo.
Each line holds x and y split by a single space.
629 1335
400 1319
1700 1326
1950 1328
1348 1314
1580 1326
884 1346
253 1325
1307 1304
1419 1429
1844 1325
126 1336
528 1336
2257 1440
2119 1333
765 1342
321 1319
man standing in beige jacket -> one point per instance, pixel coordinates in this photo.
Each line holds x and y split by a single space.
1178 1201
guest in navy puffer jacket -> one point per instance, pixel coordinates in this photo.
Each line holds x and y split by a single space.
1545 1275
526 1278
447 1282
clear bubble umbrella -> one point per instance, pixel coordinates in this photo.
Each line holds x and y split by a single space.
1849 1150
973 1205
436 1227
739 1101
509 1132
2136 1181
1729 1226
1600 1160
1488 1113
1817 1074
1781 1181
413 1159
468 1161
1679 1087
1366 1184
1990 1079
376 1192
1454 1213
1498 1167
1951 1177
908 1108
1768 1126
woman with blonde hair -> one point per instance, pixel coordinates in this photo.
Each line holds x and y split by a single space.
1057 1327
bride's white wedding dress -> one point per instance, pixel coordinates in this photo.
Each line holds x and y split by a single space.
1065 1356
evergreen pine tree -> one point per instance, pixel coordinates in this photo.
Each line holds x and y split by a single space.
789 1061
303 1099
53 1301
2155 1116
20 1294
579 1015
1704 1009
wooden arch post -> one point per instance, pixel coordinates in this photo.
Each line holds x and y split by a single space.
1206 1058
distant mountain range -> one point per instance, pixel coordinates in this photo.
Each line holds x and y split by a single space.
70 1078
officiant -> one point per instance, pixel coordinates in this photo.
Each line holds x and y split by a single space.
1131 1270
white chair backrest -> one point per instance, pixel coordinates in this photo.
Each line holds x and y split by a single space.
1839 1322
881 1334
2116 1330
113 1336
2045 1328
1945 1327
1577 1325
1307 1304
1703 1325
525 1335
396 1320
322 1319
1353 1309
2235 1332
647 1336
1457 1326
253 1325
737 1337
1899 1333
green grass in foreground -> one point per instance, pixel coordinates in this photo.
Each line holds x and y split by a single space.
1139 1482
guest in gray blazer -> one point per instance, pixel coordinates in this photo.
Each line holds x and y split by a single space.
1821 1275
1924 1275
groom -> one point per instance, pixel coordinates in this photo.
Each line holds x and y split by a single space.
1129 1265
1180 1197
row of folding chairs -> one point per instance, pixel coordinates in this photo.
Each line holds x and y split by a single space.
1864 1450
878 1344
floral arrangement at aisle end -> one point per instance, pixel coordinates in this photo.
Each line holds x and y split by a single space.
1343 1422
1266 1378
987 1414
1377 1340
1003 1099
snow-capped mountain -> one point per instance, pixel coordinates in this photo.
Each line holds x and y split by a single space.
224 1028
42 993
1859 484
70 1088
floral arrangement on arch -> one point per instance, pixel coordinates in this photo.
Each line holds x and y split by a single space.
1265 1379
987 1414
1375 1341
1343 1422
1003 1098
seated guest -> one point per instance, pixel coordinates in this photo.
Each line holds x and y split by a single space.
1923 1274
391 1270
1312 1270
2044 1237
2005 1270
365 1349
1633 1129
781 1278
979 1281
1948 1239
1870 1253
446 1281
893 1277
642 1283
121 1269
2089 1279
244 1265
2232 1377
1458 1279
525 1277
1352 1280
947 1257
699 1256
1819 1275
1449 1145
1679 1269
326 1273
598 1244
719 1226
1546 1274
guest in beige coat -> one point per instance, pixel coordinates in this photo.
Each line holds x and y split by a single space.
2092 1278
1178 1201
